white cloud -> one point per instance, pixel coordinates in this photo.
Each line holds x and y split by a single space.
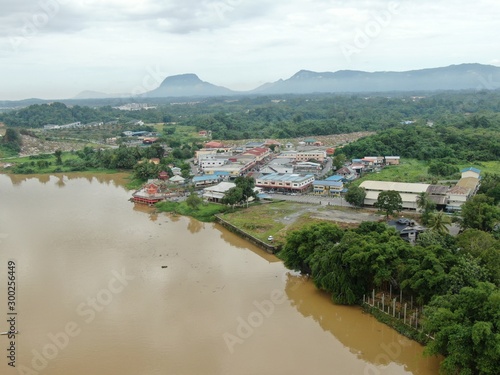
107 45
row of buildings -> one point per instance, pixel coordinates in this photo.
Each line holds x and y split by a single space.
450 198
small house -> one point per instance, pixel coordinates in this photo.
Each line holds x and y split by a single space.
177 180
392 160
163 175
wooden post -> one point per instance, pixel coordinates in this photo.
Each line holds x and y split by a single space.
383 302
373 297
394 307
400 295
404 314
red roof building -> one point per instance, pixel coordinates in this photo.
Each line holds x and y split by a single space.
260 153
163 176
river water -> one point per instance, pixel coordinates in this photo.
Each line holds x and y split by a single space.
104 287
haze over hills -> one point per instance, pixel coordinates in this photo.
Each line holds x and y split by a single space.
454 77
187 85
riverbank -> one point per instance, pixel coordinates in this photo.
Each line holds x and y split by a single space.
280 218
205 212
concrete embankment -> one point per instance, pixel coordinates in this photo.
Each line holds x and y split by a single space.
269 247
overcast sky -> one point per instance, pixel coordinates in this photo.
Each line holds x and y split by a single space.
54 49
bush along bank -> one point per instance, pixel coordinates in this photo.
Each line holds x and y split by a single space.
449 285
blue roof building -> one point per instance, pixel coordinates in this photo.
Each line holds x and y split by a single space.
471 169
335 177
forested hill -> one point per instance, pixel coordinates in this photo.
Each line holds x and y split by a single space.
37 115
467 142
287 116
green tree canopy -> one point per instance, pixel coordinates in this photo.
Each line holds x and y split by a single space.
242 192
466 330
480 213
193 200
426 207
301 244
356 196
439 168
439 222
389 202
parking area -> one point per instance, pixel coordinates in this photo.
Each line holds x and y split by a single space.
312 199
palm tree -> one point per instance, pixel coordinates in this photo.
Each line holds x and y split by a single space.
426 206
438 222
422 200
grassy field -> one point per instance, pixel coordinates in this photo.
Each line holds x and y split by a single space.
263 220
205 212
6 152
412 170
278 218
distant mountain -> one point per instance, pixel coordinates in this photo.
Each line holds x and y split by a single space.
14 104
95 95
454 77
187 85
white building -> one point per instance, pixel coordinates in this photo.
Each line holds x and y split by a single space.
408 191
285 181
217 192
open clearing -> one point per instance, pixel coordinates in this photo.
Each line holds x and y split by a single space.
277 218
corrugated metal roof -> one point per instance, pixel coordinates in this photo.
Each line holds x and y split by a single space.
468 183
401 187
220 188
459 190
437 189
328 183
335 178
205 178
291 177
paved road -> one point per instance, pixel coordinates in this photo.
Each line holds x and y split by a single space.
326 169
313 199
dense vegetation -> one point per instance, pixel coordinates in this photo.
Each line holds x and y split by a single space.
461 142
203 211
456 280
287 116
121 158
11 142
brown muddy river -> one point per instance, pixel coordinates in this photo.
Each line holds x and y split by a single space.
105 288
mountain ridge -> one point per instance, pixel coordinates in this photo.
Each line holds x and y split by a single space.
453 77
